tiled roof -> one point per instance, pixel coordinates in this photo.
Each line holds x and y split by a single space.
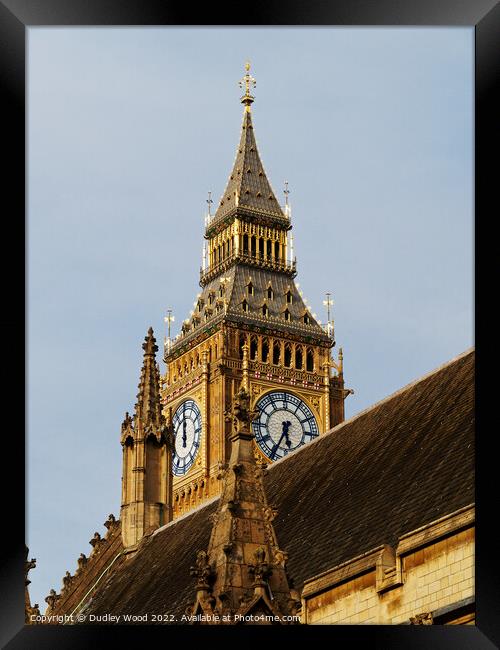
399 465
211 304
248 186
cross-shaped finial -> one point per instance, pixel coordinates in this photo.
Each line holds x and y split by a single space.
246 82
209 201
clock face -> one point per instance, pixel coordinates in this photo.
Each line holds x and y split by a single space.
284 423
187 431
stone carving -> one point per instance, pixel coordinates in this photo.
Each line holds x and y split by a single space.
67 579
52 599
270 513
201 571
82 561
241 412
280 558
95 540
422 619
221 470
260 569
28 565
110 522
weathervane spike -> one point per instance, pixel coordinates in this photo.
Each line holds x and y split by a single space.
329 303
286 192
169 319
209 201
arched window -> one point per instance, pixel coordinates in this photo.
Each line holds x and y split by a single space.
265 311
276 250
265 350
242 342
289 297
254 246
261 247
253 348
245 243
307 320
276 353
270 293
309 360
269 245
298 357
288 355
288 316
250 289
244 306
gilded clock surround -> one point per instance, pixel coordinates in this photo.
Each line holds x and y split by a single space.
249 320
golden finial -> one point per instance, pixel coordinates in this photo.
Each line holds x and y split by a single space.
246 82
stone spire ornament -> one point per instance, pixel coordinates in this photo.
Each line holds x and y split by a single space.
147 456
242 578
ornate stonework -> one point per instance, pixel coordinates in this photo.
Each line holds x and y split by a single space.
248 297
147 459
242 578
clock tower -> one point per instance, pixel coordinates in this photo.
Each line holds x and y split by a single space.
250 328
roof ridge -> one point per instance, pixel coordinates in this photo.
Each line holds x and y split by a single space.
194 510
375 405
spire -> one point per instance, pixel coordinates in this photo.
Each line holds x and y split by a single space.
148 406
243 573
248 188
147 457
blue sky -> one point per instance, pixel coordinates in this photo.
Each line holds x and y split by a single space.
128 129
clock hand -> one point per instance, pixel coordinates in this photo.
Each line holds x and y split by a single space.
286 426
273 450
184 434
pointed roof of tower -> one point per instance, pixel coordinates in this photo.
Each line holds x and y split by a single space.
148 406
248 188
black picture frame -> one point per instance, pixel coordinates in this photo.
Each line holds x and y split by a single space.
16 16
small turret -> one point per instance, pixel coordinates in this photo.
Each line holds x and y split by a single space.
147 457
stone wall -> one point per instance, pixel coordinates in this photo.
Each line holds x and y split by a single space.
428 578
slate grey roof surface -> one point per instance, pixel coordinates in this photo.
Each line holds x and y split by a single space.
399 465
248 186
238 277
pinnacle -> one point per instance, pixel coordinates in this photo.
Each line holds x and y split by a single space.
243 565
149 346
148 406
